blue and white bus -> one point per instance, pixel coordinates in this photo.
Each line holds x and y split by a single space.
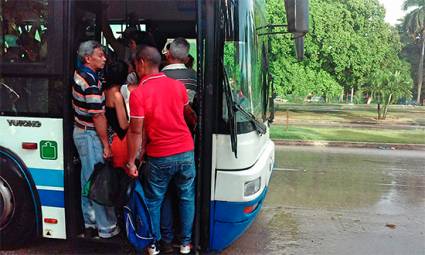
39 166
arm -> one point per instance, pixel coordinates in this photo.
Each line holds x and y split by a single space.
94 96
188 113
120 109
190 118
109 35
144 142
101 125
134 140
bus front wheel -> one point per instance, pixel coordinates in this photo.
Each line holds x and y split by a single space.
17 211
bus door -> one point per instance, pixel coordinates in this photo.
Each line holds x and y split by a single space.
109 22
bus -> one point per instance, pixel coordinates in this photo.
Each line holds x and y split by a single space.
39 166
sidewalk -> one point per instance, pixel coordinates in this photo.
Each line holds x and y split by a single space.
383 146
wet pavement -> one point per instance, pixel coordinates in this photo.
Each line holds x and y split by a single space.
323 201
341 201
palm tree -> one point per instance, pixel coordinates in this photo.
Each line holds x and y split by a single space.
388 86
397 87
414 25
376 88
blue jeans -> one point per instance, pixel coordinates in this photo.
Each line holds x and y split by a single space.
167 215
90 151
159 172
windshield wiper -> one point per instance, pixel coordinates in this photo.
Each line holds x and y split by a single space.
259 126
230 112
234 107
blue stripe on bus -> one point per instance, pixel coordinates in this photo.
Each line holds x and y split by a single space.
52 198
47 177
228 221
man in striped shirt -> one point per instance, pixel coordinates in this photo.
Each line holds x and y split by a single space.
176 57
90 135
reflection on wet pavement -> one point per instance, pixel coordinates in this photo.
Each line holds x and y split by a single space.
341 201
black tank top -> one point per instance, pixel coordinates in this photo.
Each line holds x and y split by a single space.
111 116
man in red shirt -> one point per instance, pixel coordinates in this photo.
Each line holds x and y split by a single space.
158 108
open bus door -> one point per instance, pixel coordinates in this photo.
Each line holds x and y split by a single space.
176 20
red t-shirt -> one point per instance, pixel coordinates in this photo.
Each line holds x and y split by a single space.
160 101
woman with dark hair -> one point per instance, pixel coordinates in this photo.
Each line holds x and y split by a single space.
115 75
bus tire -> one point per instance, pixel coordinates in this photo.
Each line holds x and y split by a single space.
17 210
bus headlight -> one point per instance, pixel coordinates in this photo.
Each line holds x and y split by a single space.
252 187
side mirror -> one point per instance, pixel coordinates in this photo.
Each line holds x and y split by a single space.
297 16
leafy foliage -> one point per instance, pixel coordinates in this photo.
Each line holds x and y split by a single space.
348 44
387 86
414 27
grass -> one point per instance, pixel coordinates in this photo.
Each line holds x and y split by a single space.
353 123
412 136
407 115
346 107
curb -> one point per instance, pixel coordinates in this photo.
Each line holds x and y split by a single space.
385 146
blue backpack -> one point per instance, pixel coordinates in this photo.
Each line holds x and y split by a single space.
137 219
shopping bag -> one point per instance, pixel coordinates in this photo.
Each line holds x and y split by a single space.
108 186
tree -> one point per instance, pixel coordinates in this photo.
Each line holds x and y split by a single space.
399 86
388 86
414 25
347 42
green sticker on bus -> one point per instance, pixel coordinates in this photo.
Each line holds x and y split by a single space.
48 150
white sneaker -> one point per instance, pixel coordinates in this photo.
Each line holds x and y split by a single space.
116 231
185 249
153 250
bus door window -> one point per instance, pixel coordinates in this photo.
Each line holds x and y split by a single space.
192 52
85 28
123 35
23 31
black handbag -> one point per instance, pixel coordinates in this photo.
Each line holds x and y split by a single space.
108 185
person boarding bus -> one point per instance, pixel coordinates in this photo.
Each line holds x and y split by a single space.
158 107
90 135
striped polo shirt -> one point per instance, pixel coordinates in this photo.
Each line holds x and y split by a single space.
187 76
87 96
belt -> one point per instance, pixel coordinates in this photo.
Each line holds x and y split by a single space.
83 126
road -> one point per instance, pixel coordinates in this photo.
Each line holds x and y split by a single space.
323 201
341 201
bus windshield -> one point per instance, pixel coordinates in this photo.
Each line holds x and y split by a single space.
242 57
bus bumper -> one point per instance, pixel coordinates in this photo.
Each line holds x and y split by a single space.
231 219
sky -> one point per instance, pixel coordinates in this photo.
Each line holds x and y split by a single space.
393 10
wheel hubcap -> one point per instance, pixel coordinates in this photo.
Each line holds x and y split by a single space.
6 203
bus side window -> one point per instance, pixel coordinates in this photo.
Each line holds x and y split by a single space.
35 96
23 31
